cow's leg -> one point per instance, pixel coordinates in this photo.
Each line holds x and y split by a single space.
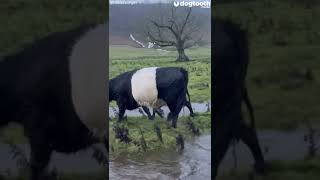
122 110
146 110
35 125
40 152
249 137
221 142
159 112
175 109
40 157
172 116
154 112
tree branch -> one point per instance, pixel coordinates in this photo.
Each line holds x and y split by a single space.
167 27
186 21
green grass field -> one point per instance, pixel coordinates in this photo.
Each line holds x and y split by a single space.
125 58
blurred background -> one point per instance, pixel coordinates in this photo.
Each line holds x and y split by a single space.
283 83
23 22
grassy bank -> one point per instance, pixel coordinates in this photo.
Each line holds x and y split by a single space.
125 58
142 133
279 170
284 73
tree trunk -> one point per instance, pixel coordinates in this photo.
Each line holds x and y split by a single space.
181 55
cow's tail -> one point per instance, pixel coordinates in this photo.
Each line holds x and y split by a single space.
188 96
249 106
243 45
186 77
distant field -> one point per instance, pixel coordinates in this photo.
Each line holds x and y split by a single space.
125 58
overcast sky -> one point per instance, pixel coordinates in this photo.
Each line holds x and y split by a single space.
150 1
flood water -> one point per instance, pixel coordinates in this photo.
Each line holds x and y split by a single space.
192 163
276 145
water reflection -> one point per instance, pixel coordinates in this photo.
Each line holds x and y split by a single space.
193 163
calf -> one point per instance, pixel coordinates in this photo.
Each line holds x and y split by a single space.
152 87
55 89
229 67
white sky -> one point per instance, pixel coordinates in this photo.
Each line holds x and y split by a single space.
149 1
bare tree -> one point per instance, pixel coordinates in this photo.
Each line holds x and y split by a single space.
175 27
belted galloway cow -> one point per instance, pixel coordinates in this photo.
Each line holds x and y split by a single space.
229 67
151 87
55 88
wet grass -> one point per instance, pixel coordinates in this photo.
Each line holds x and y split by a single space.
13 133
136 125
280 170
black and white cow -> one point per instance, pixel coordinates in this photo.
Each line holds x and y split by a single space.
55 88
229 67
151 87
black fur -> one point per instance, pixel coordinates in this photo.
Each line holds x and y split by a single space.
35 91
229 67
172 89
